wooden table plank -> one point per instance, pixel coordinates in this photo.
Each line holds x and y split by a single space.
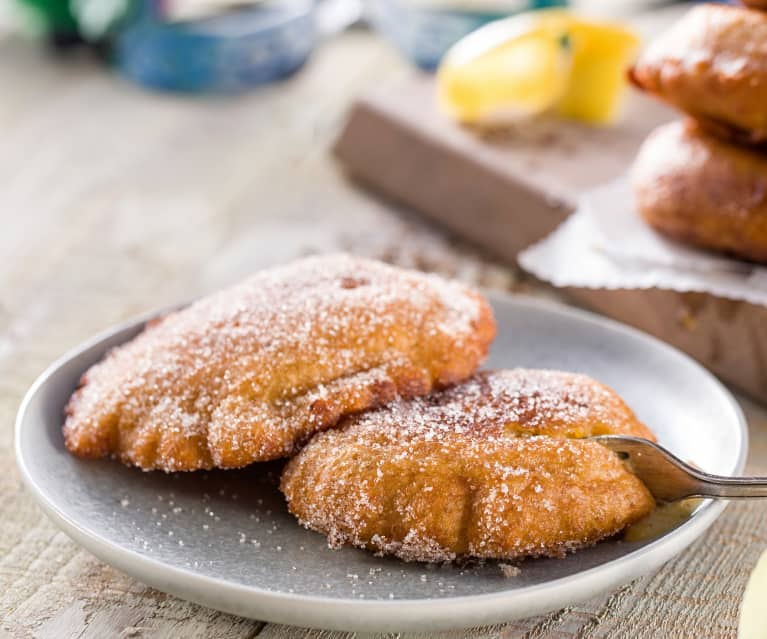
114 201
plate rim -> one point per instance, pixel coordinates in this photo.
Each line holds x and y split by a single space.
411 614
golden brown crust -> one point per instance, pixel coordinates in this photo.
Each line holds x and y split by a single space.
484 469
250 373
699 190
712 64
756 4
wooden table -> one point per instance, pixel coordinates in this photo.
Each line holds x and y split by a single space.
115 201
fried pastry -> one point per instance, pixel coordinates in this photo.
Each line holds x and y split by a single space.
250 373
712 64
495 467
697 189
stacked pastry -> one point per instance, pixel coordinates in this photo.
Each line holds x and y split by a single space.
703 180
365 375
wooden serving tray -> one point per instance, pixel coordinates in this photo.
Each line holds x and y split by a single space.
506 191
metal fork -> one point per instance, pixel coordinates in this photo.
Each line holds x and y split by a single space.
668 478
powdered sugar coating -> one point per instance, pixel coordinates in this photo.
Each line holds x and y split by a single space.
491 468
250 373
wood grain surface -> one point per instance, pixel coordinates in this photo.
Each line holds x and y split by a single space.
114 201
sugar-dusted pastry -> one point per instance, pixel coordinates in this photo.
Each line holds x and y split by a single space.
494 467
250 373
697 189
712 64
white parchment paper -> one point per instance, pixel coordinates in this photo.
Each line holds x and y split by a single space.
605 244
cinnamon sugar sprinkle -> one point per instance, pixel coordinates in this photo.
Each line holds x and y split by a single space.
247 374
494 465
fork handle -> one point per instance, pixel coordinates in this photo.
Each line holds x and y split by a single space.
730 487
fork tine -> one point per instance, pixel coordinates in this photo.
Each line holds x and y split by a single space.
666 476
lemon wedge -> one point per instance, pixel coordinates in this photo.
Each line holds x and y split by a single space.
507 70
602 52
753 616
535 62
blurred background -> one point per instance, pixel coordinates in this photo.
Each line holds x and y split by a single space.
129 126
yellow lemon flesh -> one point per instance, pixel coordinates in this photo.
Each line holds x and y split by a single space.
536 62
506 70
753 615
601 54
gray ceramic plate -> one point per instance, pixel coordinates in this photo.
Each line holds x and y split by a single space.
225 539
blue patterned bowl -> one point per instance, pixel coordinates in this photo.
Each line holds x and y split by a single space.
227 53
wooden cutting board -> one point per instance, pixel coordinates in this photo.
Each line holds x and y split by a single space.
507 190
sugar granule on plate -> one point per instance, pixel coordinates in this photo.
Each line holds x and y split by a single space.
510 571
